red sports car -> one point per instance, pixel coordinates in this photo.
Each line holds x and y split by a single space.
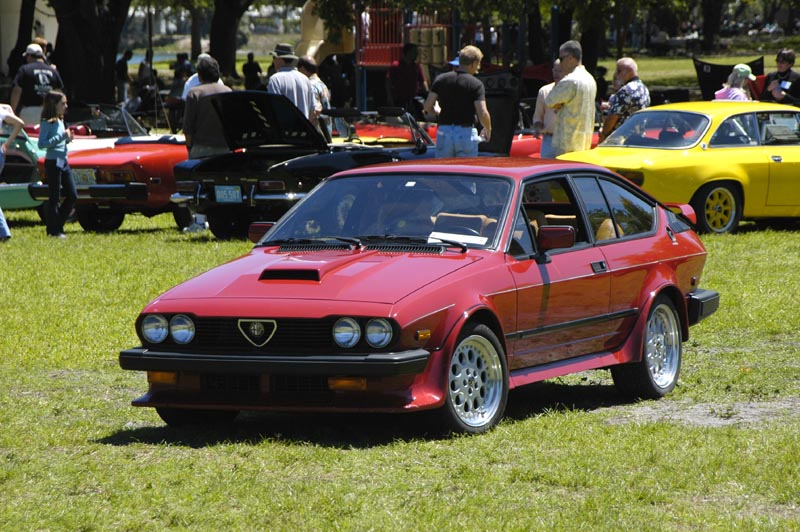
135 175
436 285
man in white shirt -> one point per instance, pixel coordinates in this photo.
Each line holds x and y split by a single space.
290 82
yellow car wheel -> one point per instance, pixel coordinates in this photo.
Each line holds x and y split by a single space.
718 207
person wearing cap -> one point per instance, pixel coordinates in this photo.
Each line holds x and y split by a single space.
460 96
290 82
783 86
734 88
631 96
544 118
404 79
33 81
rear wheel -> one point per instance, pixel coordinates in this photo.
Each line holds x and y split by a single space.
657 373
183 417
97 220
226 224
718 207
477 382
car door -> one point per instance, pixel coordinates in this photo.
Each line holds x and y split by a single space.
562 301
624 227
780 138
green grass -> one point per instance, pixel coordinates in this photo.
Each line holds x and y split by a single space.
720 453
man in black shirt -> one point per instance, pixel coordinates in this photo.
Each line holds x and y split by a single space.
783 86
32 82
122 76
461 96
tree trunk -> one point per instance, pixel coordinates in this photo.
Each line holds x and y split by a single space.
224 26
197 16
712 19
537 47
24 31
86 46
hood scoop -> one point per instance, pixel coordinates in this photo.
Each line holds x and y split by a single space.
435 249
289 275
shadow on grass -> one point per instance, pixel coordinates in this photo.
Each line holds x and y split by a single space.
364 430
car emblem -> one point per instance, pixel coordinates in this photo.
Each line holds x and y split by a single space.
258 332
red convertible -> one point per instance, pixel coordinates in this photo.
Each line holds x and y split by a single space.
437 286
133 175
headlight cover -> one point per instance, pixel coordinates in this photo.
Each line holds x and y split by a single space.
155 328
181 327
378 332
346 332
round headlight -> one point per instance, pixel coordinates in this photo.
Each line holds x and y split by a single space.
155 328
379 332
181 327
346 332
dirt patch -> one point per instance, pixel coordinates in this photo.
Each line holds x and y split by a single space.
707 414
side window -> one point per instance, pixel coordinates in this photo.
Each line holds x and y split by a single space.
601 222
779 128
737 130
632 214
552 202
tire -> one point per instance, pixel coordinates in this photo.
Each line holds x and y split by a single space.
226 224
97 220
183 217
185 417
718 207
477 382
657 373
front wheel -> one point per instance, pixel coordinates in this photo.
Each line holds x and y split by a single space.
226 224
183 217
183 417
97 220
477 382
657 373
718 207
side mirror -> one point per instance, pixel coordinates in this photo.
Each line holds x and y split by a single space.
684 210
420 147
555 237
258 230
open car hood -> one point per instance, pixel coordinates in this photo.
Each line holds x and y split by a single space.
257 118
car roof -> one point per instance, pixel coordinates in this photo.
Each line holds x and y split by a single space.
715 108
516 168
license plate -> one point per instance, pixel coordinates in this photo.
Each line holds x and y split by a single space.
83 176
228 194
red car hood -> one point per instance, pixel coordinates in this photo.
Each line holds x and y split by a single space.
366 276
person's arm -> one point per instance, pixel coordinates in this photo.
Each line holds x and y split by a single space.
563 92
15 122
430 102
484 118
189 118
538 114
49 135
609 123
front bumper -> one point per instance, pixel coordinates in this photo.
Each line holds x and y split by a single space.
363 364
702 304
133 191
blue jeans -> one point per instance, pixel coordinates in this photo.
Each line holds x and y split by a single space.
457 141
546 150
5 232
59 182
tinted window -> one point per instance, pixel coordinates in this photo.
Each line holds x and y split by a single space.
600 219
659 129
552 202
633 215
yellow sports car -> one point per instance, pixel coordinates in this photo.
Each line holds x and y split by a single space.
729 160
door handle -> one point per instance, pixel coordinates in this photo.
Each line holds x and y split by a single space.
776 158
599 266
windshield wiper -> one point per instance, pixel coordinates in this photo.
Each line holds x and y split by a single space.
354 243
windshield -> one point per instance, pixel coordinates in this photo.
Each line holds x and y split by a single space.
386 127
399 207
103 120
659 129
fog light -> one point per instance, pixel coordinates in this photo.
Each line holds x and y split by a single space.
347 384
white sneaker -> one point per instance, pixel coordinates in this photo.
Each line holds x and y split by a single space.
195 227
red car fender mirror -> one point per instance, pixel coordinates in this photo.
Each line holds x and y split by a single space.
257 230
684 210
555 237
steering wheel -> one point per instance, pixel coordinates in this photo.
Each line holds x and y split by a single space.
462 230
